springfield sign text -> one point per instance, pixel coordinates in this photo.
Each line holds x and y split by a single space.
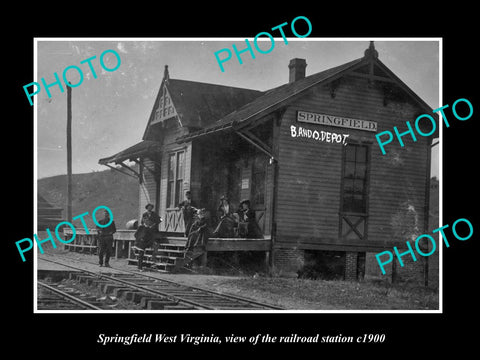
332 120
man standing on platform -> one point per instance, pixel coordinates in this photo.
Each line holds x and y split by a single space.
188 208
105 239
150 220
145 234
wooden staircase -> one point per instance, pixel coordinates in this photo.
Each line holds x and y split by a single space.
169 257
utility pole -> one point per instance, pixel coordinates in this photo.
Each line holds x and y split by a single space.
69 154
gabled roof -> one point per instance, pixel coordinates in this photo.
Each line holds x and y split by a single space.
276 96
47 215
205 108
200 104
141 148
43 204
280 96
197 105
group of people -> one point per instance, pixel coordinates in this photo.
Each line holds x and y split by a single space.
231 223
239 223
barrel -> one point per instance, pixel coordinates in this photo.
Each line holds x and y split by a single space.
132 224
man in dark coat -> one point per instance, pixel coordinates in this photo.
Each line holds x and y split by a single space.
150 219
145 234
188 208
105 239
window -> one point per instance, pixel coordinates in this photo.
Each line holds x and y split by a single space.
179 177
355 178
176 164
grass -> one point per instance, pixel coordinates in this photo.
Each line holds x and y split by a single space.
324 294
300 294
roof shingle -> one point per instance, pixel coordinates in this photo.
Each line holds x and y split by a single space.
273 97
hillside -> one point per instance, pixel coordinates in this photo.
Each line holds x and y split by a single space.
110 188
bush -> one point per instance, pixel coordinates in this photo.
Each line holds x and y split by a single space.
324 265
236 262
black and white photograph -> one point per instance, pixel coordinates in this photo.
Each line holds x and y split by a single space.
269 193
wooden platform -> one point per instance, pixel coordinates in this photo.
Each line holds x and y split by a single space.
124 239
170 254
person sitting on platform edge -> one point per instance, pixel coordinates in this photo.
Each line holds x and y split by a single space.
188 208
227 224
105 239
248 225
145 234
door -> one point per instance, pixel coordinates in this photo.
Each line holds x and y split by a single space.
354 192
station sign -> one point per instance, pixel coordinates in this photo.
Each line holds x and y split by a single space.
339 121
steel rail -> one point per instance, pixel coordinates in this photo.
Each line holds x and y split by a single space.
233 297
172 297
71 298
133 285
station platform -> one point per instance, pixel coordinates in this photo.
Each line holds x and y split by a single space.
88 262
168 255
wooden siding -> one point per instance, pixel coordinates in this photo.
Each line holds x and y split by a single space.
196 173
267 226
153 189
262 212
310 171
171 133
147 187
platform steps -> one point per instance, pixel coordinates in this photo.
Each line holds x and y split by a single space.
169 258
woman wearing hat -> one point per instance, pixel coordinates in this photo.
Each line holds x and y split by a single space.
198 236
227 223
248 226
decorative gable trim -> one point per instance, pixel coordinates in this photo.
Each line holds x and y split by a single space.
165 108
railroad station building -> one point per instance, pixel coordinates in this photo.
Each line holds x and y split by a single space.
304 153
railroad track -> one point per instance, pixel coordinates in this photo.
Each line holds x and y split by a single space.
51 297
161 294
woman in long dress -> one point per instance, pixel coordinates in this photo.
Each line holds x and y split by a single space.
226 225
198 236
248 222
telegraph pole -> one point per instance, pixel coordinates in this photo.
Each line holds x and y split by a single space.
69 153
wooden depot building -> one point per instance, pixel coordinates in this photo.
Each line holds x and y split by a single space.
304 153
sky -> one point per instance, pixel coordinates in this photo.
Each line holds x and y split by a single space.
110 112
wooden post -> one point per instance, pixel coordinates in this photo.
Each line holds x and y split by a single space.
203 259
69 154
426 214
267 261
275 149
